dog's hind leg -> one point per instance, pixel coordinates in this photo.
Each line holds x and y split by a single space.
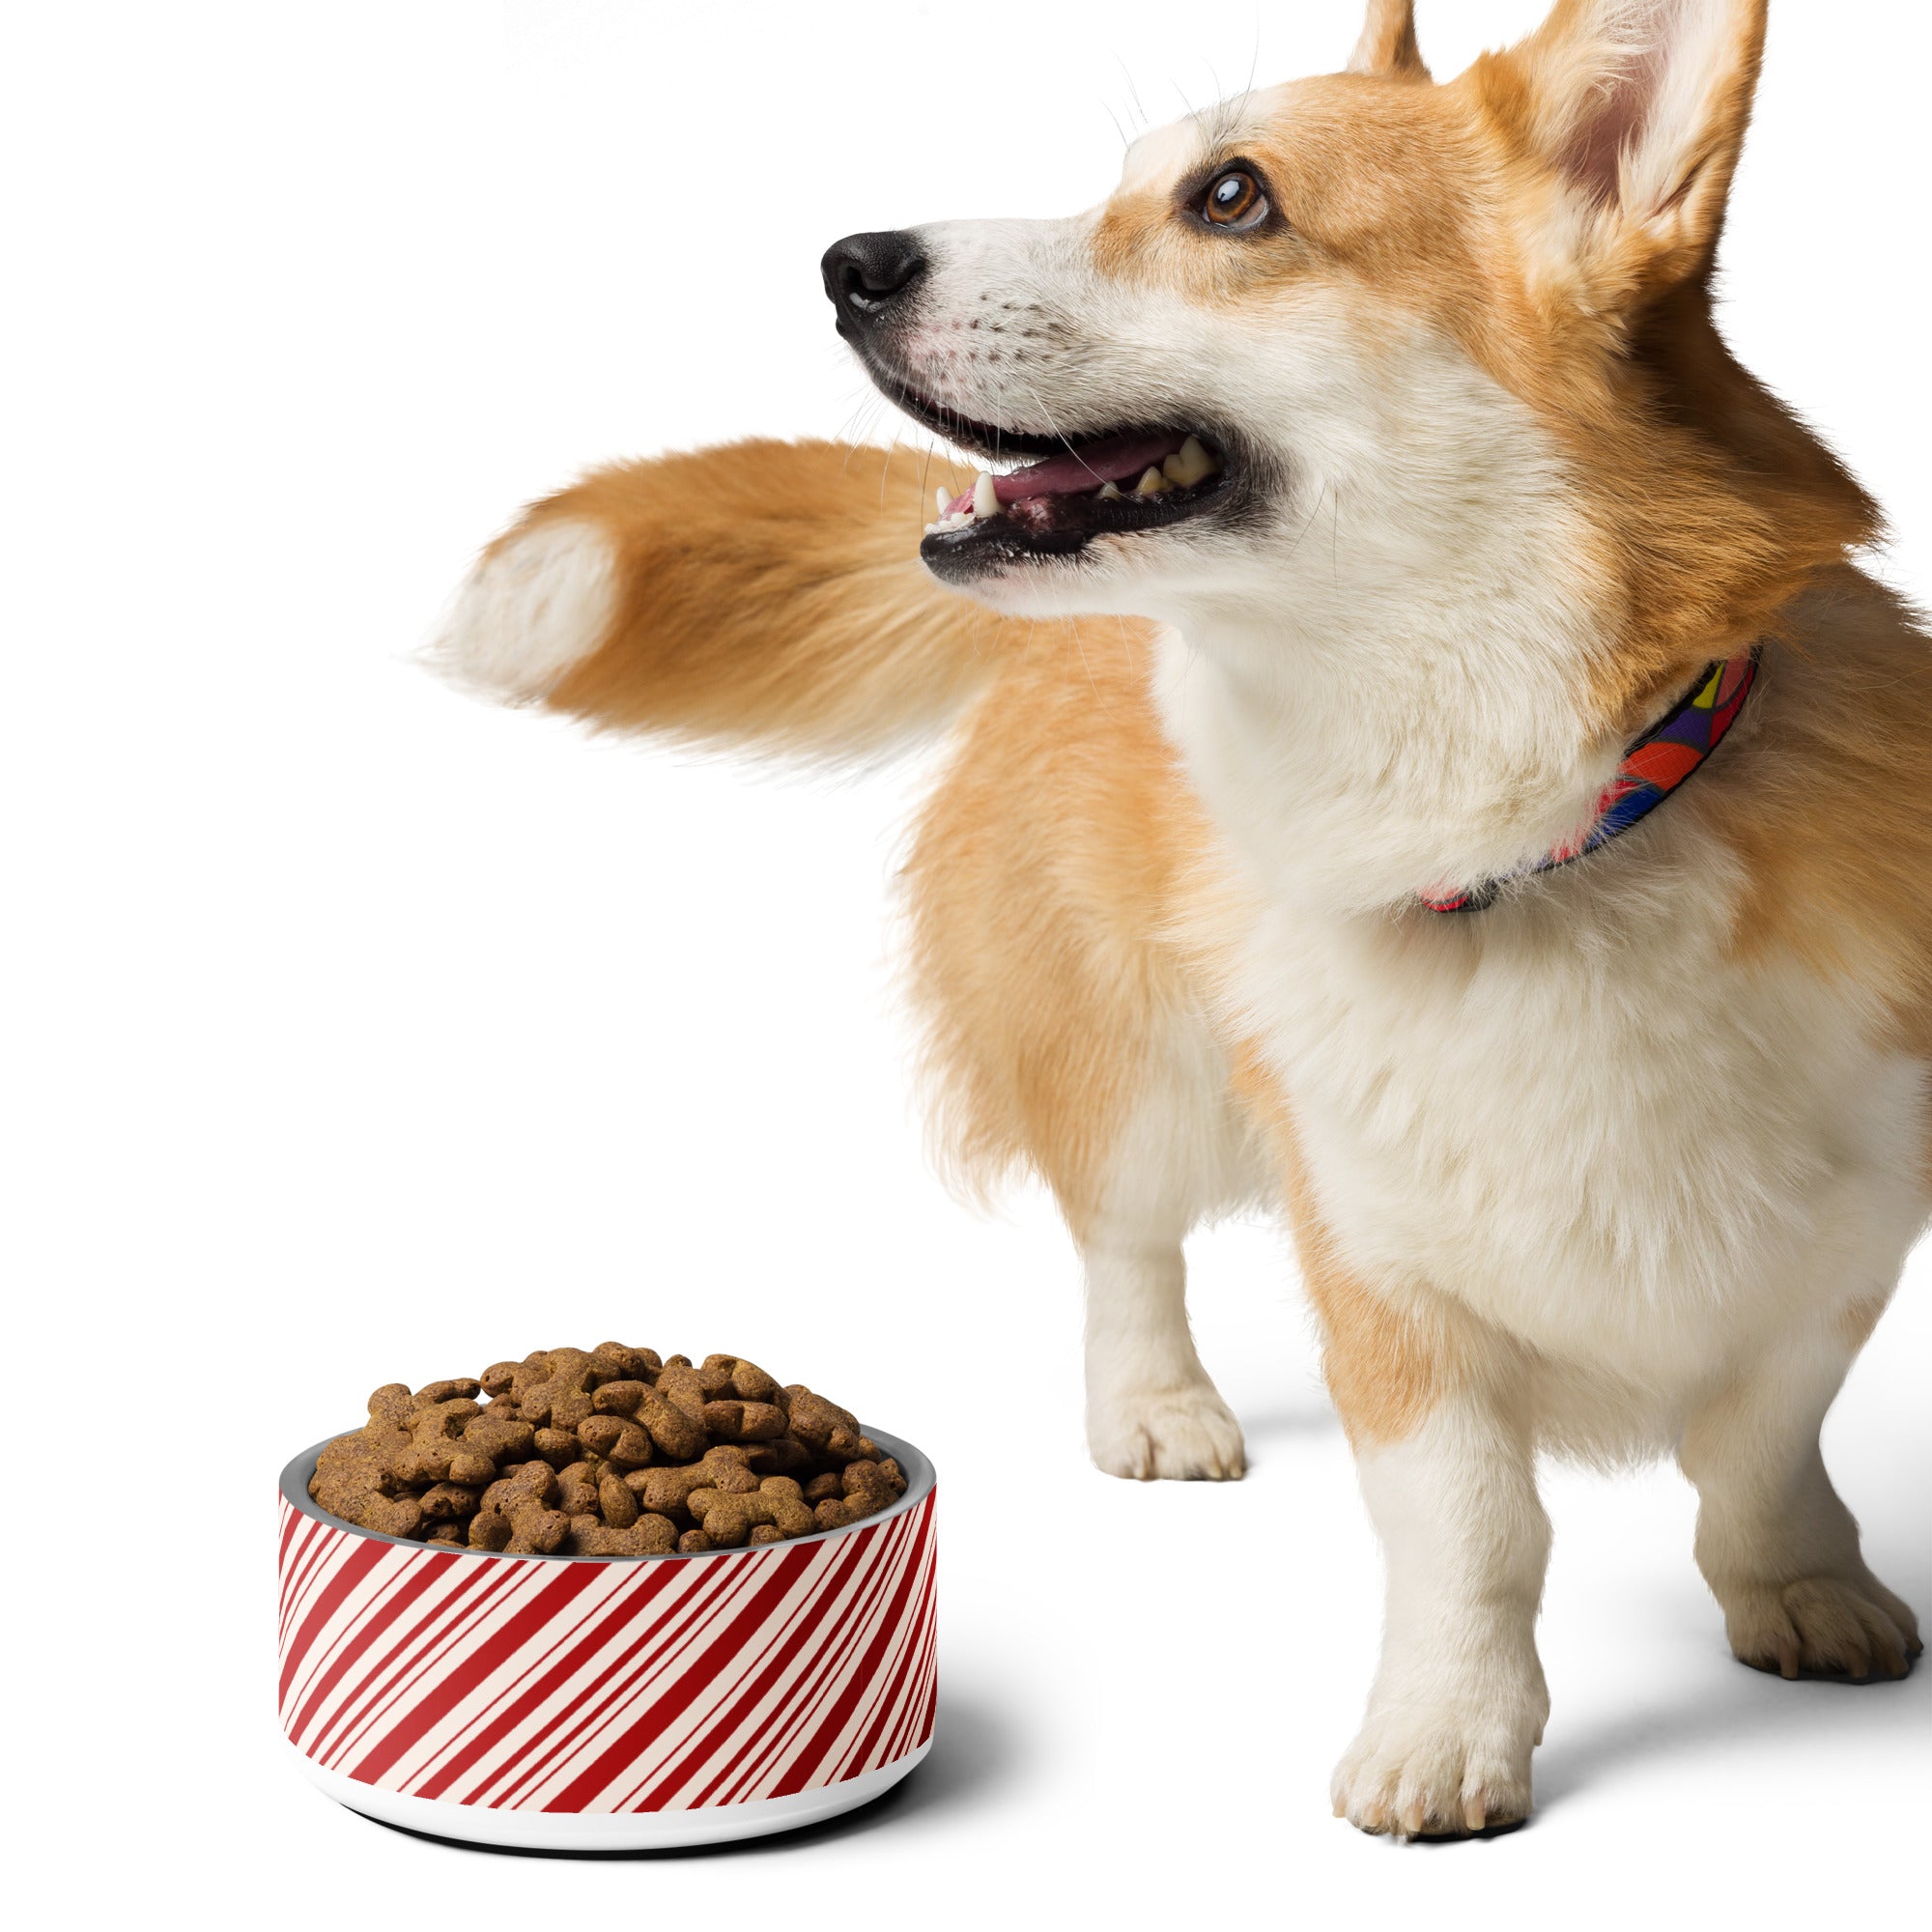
1777 1547
1152 1409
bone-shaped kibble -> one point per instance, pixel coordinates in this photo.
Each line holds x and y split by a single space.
503 1437
528 1482
744 1421
515 1513
868 1488
515 1380
617 1438
577 1488
536 1531
823 1425
562 1399
675 1432
619 1397
689 1389
728 1520
391 1404
647 1536
616 1501
666 1487
627 1364
462 1387
354 1476
748 1382
489 1529
786 1456
437 1452
353 1480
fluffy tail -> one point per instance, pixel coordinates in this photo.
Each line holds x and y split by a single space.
766 594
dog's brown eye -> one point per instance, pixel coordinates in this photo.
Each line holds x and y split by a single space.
1235 200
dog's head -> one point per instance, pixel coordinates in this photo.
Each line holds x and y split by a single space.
1338 333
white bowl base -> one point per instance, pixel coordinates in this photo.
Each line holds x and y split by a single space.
608 1830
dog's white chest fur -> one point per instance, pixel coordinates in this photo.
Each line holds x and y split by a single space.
1582 1117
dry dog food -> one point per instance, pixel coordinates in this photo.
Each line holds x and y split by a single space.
606 1452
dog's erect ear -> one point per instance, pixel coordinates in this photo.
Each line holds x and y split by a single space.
1387 46
1639 107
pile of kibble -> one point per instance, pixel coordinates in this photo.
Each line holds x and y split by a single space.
606 1452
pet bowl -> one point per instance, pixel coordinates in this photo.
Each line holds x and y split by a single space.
604 1703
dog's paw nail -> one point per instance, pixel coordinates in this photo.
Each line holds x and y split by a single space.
1178 1435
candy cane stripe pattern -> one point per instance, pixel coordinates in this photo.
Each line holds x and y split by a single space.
545 1689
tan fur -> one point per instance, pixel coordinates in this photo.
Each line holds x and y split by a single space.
773 594
1833 818
773 591
1047 986
1712 505
1567 95
1062 856
1388 45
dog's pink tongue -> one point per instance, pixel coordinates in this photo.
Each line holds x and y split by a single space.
1114 459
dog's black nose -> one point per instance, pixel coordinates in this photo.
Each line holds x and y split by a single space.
866 274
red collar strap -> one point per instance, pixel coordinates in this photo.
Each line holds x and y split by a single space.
1652 769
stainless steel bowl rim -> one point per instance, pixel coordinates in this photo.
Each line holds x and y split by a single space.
916 1464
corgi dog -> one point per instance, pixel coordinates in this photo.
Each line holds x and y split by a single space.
1427 759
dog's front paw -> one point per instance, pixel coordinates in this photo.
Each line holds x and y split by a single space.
1823 1627
1445 1772
1183 1434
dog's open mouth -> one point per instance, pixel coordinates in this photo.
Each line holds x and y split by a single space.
1122 483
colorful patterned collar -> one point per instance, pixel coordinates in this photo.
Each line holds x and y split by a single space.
1652 769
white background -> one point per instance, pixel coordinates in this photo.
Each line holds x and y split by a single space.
360 1032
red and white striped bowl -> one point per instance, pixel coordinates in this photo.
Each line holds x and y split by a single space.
607 1702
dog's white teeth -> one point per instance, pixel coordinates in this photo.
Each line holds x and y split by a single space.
1110 492
944 500
1151 483
985 499
1189 465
